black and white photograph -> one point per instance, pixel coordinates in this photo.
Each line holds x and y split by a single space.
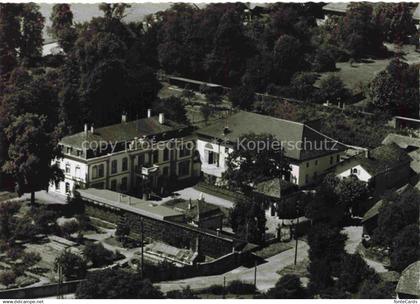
209 150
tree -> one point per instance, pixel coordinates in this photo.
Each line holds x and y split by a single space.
395 90
353 270
173 108
396 213
69 227
9 37
302 85
214 99
73 266
188 94
30 153
62 27
7 212
256 158
248 220
242 97
205 111
24 229
116 284
98 255
332 89
31 41
8 277
288 287
326 247
44 219
123 230
352 193
375 288
405 247
323 60
395 20
287 54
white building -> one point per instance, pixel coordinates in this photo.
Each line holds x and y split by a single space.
384 167
309 152
141 156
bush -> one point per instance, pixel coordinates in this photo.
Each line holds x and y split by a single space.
214 289
185 293
240 288
73 266
7 277
69 227
31 258
98 255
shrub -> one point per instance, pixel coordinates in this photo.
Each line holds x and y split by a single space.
185 293
69 228
7 277
240 288
214 289
31 258
98 254
73 266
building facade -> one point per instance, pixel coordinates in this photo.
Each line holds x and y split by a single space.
309 152
140 157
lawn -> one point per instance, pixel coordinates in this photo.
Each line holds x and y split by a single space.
363 72
272 250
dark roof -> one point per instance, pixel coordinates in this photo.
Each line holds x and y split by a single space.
382 158
409 282
338 7
123 131
128 203
190 211
402 141
286 131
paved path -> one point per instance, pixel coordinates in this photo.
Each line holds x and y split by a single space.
267 275
354 238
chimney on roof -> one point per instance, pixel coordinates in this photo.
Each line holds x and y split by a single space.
149 113
86 128
367 153
124 117
189 205
92 129
161 118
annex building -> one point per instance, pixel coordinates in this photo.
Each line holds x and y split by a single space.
309 152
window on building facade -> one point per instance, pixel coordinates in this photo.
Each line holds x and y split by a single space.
68 168
77 172
306 178
315 174
331 160
212 157
94 171
354 171
184 151
184 168
78 153
101 170
58 164
338 158
316 162
125 164
57 186
140 159
114 166
166 154
166 171
307 165
114 185
67 188
124 184
68 150
155 156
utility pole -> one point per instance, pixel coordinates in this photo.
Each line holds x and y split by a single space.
60 281
224 287
255 275
296 227
142 248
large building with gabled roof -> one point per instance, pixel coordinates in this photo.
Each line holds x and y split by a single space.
141 156
309 152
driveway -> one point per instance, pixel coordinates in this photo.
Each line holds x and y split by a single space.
354 238
267 275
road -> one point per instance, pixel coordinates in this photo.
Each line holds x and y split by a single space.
267 275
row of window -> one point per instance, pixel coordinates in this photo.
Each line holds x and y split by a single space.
114 165
123 185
